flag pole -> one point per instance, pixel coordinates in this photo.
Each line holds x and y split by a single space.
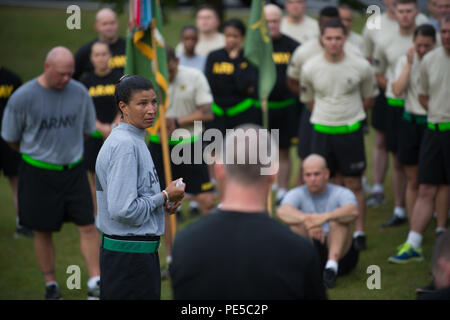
170 227
265 117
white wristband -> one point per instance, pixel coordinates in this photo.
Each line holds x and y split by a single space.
167 195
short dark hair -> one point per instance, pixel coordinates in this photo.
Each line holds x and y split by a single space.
235 23
128 85
329 12
208 7
425 30
335 24
188 27
170 53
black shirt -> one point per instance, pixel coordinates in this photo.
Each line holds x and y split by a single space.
230 79
282 51
9 82
83 58
233 255
101 89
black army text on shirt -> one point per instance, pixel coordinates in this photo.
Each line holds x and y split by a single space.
83 62
102 89
282 51
9 81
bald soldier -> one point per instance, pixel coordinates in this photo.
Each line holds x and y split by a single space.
46 120
324 213
106 25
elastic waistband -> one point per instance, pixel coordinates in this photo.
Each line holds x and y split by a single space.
233 110
443 126
395 102
280 104
50 166
96 134
131 244
337 129
413 118
156 139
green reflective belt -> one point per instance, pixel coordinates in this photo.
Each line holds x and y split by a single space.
156 139
96 134
217 110
419 119
396 102
234 110
443 126
280 104
130 246
337 129
49 166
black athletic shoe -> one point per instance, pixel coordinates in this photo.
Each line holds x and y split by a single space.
360 243
22 231
393 222
52 292
429 288
329 278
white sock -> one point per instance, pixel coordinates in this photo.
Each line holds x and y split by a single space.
377 188
92 282
414 239
358 233
48 284
274 187
193 204
281 193
440 229
169 259
331 264
400 212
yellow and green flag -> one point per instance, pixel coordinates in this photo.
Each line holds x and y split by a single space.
258 50
145 48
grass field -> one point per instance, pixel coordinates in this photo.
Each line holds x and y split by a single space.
27 35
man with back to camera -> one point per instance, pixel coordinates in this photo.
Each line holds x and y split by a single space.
239 252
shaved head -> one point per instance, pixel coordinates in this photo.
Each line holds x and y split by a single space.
315 173
315 160
105 13
59 55
273 10
107 25
59 66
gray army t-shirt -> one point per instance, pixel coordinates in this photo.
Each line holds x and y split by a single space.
334 197
48 123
